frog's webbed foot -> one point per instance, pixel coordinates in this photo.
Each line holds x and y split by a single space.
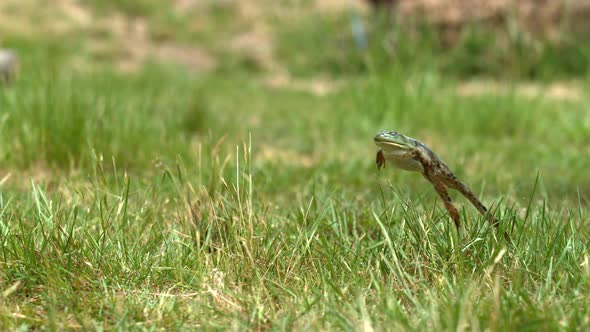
380 159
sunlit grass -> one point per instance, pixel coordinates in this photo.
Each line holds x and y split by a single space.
219 203
167 251
162 199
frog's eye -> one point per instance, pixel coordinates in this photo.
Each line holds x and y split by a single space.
393 133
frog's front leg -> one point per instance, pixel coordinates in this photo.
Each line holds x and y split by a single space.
380 159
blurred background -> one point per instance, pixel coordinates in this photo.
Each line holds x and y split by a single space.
503 38
488 84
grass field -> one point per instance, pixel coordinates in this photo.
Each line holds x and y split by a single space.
247 197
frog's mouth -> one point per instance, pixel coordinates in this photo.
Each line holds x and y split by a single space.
384 143
387 143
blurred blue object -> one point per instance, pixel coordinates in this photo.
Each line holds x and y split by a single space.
358 30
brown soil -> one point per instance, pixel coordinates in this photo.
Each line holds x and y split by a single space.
569 91
545 17
318 86
134 46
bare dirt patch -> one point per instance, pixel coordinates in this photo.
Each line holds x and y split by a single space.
25 18
285 156
318 86
75 12
543 17
123 40
340 6
570 91
188 4
130 42
51 180
191 57
133 46
256 46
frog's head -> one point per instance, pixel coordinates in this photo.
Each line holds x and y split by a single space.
391 141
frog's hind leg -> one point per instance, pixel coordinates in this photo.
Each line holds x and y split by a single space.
441 189
465 191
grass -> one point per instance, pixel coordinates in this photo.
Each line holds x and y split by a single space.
58 119
164 200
